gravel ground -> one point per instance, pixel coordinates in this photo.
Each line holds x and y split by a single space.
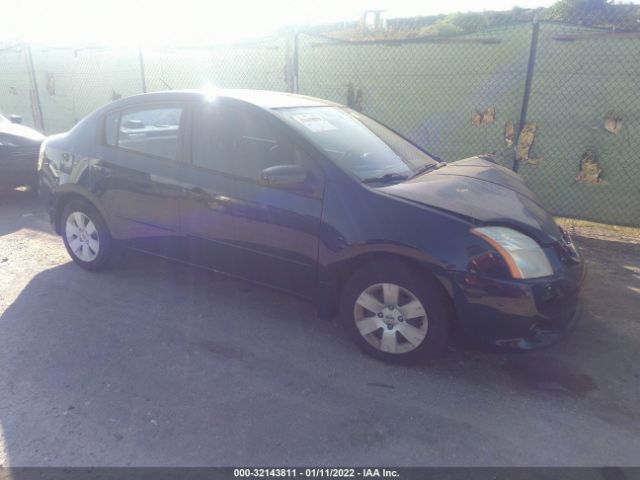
156 364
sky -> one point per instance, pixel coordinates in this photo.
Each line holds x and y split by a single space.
161 22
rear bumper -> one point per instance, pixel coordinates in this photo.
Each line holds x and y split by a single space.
518 314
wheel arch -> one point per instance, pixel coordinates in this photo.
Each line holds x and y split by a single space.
63 198
330 288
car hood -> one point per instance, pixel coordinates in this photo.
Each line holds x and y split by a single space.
483 191
20 132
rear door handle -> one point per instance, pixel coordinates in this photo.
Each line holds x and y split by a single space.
199 194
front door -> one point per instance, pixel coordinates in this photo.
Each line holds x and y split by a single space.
234 223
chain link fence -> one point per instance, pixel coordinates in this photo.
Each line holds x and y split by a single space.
452 96
16 87
558 103
74 82
264 65
584 160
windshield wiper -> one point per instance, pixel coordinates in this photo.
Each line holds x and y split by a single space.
427 168
386 178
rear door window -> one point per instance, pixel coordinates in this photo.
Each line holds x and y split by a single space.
154 131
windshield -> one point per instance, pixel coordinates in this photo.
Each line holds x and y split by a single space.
357 143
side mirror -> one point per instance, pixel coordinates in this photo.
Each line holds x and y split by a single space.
15 119
289 177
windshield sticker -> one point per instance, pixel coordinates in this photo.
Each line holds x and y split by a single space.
314 123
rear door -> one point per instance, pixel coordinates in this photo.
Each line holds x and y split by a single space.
136 174
235 224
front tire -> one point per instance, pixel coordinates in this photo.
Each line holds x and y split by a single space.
86 236
395 313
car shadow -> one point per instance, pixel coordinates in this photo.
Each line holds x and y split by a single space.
105 352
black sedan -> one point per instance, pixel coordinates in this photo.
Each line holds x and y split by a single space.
19 146
310 197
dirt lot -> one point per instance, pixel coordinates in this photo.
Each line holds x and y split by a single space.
153 363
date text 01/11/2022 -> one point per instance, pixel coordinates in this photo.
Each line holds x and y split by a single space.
315 473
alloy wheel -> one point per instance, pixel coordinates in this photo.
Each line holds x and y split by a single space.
391 318
82 236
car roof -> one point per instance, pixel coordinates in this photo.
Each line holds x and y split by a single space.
270 99
261 98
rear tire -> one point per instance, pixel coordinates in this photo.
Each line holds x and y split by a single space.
395 313
86 236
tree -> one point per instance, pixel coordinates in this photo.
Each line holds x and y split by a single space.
584 12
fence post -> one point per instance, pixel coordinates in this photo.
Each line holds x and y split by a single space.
142 76
296 52
527 88
36 106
